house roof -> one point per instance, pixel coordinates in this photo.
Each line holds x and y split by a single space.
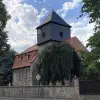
25 61
76 44
54 18
33 52
32 48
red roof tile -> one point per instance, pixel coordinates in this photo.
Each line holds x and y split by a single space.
32 48
25 62
76 44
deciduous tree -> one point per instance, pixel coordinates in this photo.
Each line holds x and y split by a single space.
92 59
6 63
58 62
3 34
92 9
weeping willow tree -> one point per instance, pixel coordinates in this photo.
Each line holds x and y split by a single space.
58 62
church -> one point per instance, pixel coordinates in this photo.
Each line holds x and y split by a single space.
52 29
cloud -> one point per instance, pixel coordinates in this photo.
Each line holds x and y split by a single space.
11 4
43 12
82 29
21 26
39 1
44 1
25 18
68 6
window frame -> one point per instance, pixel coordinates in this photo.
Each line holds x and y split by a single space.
61 34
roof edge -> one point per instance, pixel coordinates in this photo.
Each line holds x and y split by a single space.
48 41
54 23
20 67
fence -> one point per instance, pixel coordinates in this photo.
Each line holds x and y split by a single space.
39 92
89 87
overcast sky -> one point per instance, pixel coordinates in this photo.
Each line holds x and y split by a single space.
26 15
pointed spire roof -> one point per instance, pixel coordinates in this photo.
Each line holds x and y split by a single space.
54 18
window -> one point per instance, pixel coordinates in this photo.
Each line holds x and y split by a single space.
20 58
61 34
43 34
28 56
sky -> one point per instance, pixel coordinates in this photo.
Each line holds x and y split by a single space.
26 15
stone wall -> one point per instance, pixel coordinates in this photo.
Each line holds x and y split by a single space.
39 92
45 92
22 77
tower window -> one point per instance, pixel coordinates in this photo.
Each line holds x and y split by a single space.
61 34
43 34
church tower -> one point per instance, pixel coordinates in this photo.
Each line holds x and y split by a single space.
53 28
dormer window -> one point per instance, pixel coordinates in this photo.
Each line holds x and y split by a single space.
61 34
28 56
20 58
43 34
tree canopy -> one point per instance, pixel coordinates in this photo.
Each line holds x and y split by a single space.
58 62
6 55
6 63
92 9
93 69
3 34
92 59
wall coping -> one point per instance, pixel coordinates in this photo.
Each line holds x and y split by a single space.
45 86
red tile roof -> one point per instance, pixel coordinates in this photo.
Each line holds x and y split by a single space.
25 62
33 52
76 44
32 48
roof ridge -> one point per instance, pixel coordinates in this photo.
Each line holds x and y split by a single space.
46 17
27 50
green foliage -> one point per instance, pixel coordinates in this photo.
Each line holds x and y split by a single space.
6 55
94 63
94 41
6 63
92 8
3 34
90 67
91 60
58 62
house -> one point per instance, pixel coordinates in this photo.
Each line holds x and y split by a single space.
52 29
